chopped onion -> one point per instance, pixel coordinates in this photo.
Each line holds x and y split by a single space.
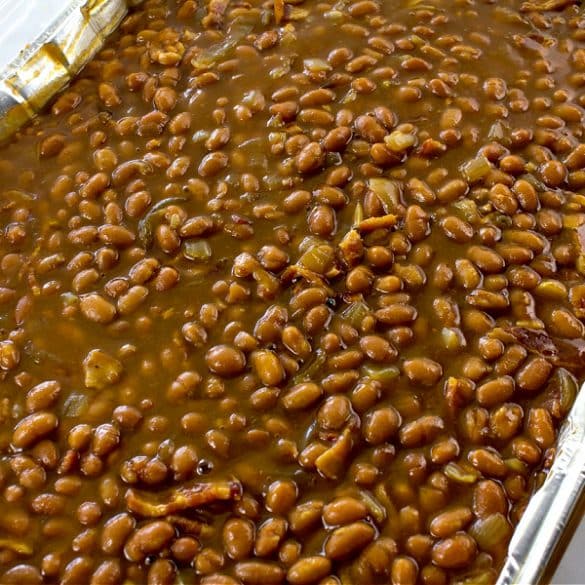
388 192
460 474
318 258
453 338
567 389
469 210
476 169
491 532
356 313
76 405
197 250
398 141
316 65
383 374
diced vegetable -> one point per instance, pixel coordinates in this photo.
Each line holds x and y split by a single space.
197 250
209 57
459 474
101 369
332 463
388 192
318 258
476 169
382 374
398 141
491 532
313 367
355 313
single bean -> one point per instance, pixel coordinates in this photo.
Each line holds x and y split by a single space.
148 539
348 540
259 573
238 538
308 570
454 552
33 428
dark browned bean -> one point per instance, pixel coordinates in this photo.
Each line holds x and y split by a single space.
281 496
404 571
161 572
269 536
495 391
506 420
97 309
267 367
22 574
310 158
488 461
337 139
212 164
540 427
488 498
302 396
533 374
396 314
107 573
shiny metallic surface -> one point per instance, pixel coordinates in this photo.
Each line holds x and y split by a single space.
549 511
51 59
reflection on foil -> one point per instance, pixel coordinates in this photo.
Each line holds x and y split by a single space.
51 60
550 508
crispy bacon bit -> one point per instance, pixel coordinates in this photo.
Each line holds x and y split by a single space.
297 271
195 496
351 248
548 5
374 223
568 353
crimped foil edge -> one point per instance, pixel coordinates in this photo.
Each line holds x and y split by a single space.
52 60
550 509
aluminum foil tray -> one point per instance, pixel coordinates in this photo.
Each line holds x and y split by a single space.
45 43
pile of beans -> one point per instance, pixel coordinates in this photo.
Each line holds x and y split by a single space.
293 293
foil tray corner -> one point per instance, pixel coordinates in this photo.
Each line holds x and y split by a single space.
51 60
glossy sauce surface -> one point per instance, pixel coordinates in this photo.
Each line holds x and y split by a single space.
293 293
